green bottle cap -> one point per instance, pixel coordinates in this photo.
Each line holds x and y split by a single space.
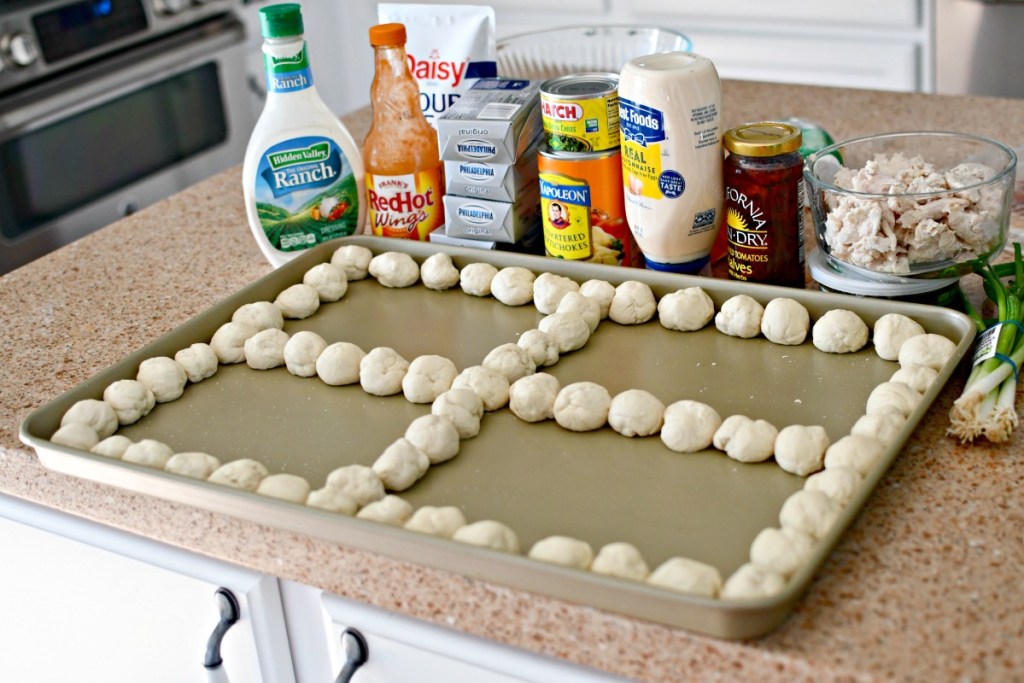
281 21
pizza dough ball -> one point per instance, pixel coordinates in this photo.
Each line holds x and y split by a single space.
490 385
740 316
785 321
401 465
689 426
590 309
333 500
76 435
885 427
302 351
582 406
354 260
263 315
112 446
195 465
532 398
381 371
632 304
622 560
427 378
511 360
600 291
438 272
245 474
97 414
568 552
811 512
752 582
358 482
683 575
839 331
329 281
892 397
636 412
800 449
744 439
198 361
463 407
148 452
918 377
165 378
437 521
284 486
686 310
265 349
513 286
298 302
891 330
782 551
570 330
858 452
228 341
436 436
339 364
548 290
394 269
131 400
542 347
390 510
838 483
475 279
930 350
488 534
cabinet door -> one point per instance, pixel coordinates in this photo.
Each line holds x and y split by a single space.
86 603
405 650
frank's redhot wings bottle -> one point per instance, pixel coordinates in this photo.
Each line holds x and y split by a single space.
303 174
404 173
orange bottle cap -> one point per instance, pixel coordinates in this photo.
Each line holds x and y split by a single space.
387 34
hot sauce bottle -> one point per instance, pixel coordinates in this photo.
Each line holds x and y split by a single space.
764 204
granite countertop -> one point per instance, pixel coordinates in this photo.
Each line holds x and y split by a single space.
925 585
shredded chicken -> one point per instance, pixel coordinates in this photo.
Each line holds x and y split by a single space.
895 234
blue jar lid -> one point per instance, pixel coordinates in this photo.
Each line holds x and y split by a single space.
687 267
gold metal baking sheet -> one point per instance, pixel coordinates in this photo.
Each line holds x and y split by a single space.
537 478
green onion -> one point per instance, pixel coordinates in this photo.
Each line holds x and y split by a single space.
986 407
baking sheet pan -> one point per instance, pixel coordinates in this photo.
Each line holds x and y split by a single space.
537 478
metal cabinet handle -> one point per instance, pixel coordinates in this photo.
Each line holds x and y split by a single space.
227 606
353 644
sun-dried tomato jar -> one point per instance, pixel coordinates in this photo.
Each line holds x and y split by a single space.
764 203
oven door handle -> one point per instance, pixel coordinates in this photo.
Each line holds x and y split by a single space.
125 72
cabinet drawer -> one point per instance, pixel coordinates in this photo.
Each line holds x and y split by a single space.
406 650
838 62
881 13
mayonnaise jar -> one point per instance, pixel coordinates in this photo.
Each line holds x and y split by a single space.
670 127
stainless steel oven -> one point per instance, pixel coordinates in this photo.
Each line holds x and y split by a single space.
107 106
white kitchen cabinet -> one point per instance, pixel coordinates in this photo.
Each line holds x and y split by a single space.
86 603
405 650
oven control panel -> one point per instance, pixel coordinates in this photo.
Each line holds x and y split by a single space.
48 37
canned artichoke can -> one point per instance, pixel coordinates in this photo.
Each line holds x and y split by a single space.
580 112
582 208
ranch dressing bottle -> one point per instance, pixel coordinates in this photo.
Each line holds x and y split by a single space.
303 173
670 127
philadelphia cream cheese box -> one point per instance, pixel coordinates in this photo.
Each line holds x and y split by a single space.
484 219
498 182
496 121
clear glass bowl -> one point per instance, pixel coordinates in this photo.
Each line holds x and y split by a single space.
540 55
878 214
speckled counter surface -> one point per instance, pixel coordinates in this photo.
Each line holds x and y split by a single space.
926 585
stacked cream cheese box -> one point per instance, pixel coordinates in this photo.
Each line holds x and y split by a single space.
489 140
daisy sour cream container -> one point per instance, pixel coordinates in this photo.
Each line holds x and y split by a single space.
670 128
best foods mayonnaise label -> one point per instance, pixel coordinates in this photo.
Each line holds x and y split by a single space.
643 135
